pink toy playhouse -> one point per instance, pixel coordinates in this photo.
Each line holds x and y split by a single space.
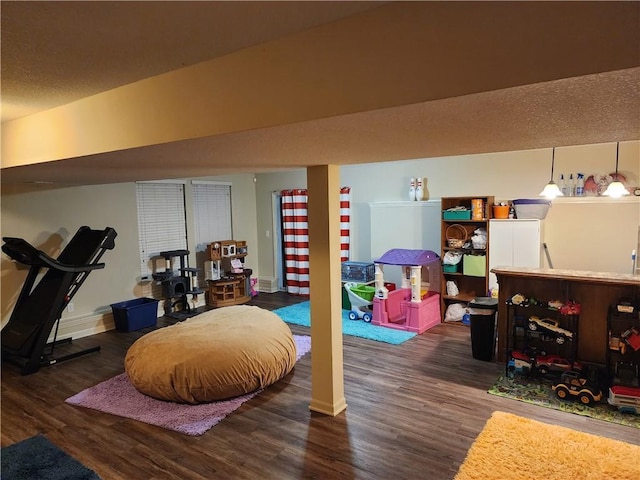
415 306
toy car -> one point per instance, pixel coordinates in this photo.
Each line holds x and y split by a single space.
555 304
625 399
520 300
555 363
573 385
517 299
570 308
520 363
552 326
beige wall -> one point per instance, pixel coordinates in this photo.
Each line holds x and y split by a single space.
266 185
596 234
49 218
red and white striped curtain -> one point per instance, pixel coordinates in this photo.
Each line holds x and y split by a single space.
295 235
345 223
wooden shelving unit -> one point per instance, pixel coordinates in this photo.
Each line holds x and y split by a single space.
539 341
469 286
232 288
623 360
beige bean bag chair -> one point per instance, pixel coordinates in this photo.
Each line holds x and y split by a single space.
216 355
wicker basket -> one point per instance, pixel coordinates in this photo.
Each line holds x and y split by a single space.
456 235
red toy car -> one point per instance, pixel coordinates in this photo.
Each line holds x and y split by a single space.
555 363
570 308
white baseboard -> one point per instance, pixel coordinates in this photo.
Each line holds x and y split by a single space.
85 325
93 323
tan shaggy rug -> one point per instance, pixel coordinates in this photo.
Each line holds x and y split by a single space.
512 447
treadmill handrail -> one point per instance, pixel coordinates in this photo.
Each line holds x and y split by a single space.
22 251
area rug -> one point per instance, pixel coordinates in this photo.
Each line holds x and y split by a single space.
119 397
537 391
36 458
298 314
513 447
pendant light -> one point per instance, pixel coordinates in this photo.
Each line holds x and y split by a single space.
616 189
551 190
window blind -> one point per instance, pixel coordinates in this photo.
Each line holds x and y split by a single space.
161 221
212 213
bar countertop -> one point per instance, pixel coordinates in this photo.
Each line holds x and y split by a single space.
572 275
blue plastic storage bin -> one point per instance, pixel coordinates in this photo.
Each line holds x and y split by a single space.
135 314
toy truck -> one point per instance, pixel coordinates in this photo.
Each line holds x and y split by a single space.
573 385
626 399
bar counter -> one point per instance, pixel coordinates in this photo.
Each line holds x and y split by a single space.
594 291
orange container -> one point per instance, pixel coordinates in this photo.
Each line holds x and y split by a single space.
477 209
501 211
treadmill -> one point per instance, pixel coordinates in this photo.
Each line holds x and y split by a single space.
41 304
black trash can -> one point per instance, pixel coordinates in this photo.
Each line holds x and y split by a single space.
482 311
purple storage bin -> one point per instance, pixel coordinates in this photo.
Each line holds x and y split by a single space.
534 208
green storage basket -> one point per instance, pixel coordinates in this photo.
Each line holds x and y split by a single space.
474 265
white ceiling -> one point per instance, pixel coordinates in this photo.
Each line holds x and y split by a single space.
54 53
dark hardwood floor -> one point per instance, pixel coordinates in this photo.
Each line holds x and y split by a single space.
413 411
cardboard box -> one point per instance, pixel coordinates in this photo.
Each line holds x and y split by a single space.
474 265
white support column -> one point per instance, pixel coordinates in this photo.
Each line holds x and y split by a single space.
327 369
416 284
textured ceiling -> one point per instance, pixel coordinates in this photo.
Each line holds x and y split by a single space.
528 117
54 53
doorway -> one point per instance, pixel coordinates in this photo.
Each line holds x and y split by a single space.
278 244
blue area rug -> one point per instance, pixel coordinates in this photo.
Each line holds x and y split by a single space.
299 315
36 458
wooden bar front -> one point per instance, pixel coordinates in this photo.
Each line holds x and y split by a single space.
594 291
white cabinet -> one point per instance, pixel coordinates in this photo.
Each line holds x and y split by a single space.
514 243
